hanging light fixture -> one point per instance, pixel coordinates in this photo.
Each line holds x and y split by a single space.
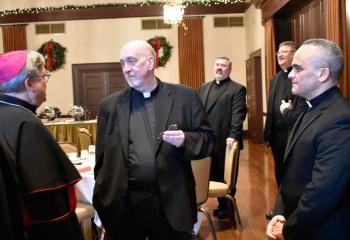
173 12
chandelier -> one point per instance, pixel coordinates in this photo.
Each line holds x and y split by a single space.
173 12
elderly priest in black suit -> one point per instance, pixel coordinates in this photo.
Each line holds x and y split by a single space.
147 136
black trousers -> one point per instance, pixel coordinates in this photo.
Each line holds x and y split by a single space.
145 217
278 146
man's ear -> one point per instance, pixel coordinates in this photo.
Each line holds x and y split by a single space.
28 83
150 63
324 75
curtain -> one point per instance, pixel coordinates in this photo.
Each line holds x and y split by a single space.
270 51
336 16
14 37
191 52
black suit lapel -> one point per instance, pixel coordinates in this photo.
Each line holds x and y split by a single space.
164 105
310 117
123 109
303 122
204 93
272 94
222 89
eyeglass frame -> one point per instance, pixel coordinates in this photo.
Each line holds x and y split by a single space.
46 74
284 52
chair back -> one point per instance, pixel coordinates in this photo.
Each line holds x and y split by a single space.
84 138
68 147
231 162
201 172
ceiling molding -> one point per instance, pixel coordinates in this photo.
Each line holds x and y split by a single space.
270 7
257 3
118 12
278 8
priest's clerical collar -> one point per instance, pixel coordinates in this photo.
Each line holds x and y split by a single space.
308 103
287 70
148 94
222 81
17 101
317 100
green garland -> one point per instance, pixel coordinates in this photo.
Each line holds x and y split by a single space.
54 54
160 42
36 10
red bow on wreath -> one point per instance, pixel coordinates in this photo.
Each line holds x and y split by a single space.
155 43
50 59
161 47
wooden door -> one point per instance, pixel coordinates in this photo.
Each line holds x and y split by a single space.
94 81
254 97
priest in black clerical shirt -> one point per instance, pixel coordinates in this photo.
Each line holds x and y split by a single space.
283 107
225 105
313 201
147 136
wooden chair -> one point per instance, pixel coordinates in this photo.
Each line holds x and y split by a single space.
68 147
201 172
222 189
85 138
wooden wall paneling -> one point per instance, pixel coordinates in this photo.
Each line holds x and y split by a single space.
308 22
317 14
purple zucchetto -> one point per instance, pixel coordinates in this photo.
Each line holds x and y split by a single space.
11 64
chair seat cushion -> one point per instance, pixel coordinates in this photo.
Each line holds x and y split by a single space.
217 189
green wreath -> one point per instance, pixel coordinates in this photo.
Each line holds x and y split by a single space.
160 42
54 54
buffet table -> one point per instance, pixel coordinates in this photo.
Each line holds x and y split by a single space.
66 130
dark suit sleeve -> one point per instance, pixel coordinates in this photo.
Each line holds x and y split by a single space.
279 206
199 141
269 112
290 116
238 114
328 190
100 139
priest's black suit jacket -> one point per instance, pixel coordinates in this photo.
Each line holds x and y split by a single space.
314 194
227 112
174 104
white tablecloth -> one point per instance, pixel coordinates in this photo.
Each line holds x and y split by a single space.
85 187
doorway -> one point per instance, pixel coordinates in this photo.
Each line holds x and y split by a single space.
254 97
94 81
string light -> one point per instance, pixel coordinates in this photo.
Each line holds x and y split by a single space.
36 10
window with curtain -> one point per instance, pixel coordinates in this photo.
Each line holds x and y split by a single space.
191 52
14 37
